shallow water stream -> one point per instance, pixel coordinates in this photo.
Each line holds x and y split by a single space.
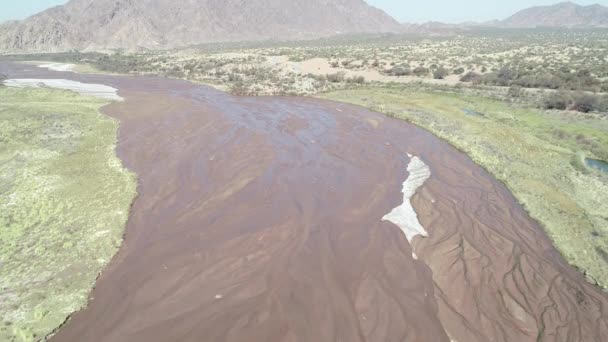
260 219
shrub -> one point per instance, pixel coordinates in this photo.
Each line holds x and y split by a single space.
239 88
458 71
421 71
558 100
515 91
585 103
603 104
234 77
296 58
440 73
470 76
399 71
337 77
357 79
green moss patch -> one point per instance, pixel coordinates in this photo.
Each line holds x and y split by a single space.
64 202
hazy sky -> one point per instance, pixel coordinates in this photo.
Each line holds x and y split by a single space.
402 10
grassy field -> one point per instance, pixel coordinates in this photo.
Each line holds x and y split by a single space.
64 202
537 154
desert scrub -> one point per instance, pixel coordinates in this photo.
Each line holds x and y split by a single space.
64 202
531 151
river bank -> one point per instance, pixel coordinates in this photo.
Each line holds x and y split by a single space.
532 151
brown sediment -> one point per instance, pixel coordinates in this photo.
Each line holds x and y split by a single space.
260 219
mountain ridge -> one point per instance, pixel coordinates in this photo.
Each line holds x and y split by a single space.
565 14
159 24
93 25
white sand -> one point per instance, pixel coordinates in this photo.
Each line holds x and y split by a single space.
57 66
97 90
404 215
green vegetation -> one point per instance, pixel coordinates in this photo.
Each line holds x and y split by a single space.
64 201
537 154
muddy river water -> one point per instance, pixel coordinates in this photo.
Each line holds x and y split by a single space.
261 219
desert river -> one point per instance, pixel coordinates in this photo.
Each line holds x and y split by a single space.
267 219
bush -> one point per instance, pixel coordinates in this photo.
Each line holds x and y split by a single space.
234 77
421 71
458 71
581 102
515 91
357 79
558 100
603 104
440 73
337 77
585 103
470 76
399 71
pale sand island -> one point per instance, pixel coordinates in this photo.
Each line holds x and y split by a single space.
404 216
96 90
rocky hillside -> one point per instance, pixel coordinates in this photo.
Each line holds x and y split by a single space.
566 14
158 24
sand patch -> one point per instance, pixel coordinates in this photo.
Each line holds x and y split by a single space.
97 90
58 66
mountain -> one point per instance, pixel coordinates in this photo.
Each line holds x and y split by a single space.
159 24
566 14
562 15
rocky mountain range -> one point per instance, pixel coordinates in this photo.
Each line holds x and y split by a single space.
161 24
158 24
